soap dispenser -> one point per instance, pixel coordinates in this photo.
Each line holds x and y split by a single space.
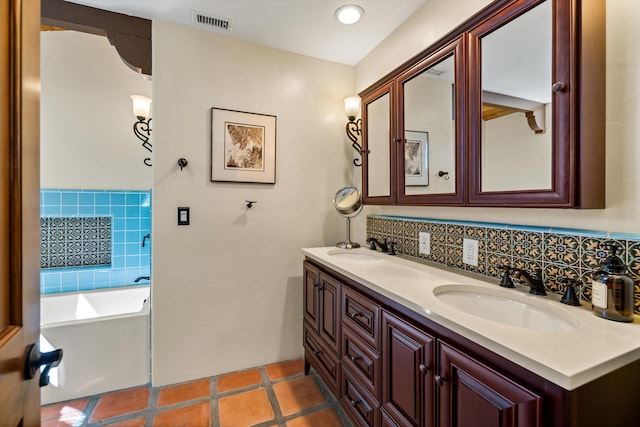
612 289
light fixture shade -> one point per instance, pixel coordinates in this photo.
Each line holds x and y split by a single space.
349 14
141 106
352 106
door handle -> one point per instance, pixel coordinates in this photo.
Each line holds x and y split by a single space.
35 359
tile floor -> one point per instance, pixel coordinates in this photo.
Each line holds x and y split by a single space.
267 396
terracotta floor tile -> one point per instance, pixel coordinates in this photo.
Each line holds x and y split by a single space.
183 392
284 369
138 422
198 415
298 394
323 418
245 409
120 402
63 414
238 380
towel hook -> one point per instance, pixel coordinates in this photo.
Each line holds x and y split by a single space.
444 174
250 203
182 162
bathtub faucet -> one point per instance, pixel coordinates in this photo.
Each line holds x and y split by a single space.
144 239
142 278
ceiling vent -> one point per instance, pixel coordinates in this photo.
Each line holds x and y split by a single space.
435 71
212 22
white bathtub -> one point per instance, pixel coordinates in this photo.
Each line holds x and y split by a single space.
105 340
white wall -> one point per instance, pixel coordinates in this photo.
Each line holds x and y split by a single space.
437 17
87 141
227 291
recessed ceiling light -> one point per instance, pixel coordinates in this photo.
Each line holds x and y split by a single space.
349 14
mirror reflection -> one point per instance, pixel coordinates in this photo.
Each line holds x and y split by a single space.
516 103
378 159
429 123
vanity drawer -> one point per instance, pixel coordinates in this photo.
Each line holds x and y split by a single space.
362 361
363 408
362 315
323 360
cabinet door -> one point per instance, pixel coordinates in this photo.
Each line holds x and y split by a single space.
329 321
310 295
378 159
472 394
431 109
407 373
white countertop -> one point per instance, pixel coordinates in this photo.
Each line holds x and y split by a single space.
567 358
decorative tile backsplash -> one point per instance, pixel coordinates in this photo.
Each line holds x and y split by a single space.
75 241
130 216
558 252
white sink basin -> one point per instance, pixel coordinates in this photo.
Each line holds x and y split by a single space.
507 307
352 255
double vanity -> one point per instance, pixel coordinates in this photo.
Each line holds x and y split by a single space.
403 343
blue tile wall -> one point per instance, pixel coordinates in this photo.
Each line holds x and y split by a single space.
558 252
130 213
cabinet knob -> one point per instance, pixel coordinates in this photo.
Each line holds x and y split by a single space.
354 402
440 380
354 358
423 369
316 352
559 87
397 140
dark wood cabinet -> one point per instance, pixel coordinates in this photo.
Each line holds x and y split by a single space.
393 367
474 394
322 340
551 99
407 375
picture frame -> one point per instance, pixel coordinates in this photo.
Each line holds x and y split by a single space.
243 146
416 158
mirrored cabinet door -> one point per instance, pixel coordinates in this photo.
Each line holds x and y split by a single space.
525 110
378 164
431 117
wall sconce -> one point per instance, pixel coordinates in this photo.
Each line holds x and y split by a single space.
354 127
142 128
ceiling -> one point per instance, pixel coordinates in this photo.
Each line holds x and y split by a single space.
306 27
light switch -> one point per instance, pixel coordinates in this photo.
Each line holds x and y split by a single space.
183 216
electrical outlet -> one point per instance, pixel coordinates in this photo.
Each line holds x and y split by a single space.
470 252
425 243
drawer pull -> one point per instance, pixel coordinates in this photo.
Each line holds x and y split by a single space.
423 369
355 314
317 352
440 380
354 358
354 402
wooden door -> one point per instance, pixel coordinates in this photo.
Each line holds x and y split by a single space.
311 278
329 311
407 373
19 207
473 394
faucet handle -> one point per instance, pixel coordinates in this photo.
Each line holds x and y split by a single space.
570 295
392 248
506 281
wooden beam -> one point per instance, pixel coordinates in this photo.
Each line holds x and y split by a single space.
130 35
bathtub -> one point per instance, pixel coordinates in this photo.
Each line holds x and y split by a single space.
105 338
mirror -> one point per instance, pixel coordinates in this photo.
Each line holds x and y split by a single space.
516 126
429 130
378 159
348 203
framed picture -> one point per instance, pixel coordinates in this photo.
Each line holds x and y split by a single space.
243 146
416 158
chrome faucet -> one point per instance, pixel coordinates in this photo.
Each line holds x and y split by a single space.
534 282
384 246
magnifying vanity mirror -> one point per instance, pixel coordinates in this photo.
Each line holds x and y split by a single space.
348 203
